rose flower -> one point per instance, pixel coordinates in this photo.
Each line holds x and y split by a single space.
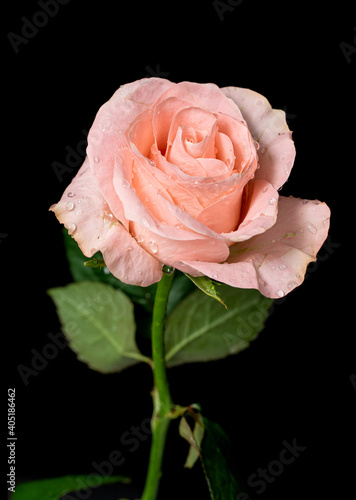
188 175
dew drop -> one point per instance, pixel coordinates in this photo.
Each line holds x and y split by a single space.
263 150
272 268
272 201
70 194
125 184
70 205
282 267
305 202
152 162
152 246
145 222
257 146
96 159
79 211
279 293
71 228
311 228
292 284
265 189
214 276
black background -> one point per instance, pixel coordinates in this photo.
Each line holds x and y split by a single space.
294 382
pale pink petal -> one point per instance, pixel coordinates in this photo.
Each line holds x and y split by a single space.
264 122
170 251
241 139
106 135
276 160
204 95
84 212
274 262
260 212
178 155
162 118
269 128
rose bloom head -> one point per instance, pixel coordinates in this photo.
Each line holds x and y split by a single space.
188 175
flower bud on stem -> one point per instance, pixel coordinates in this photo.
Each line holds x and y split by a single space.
161 395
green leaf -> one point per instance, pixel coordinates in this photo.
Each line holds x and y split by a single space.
99 324
199 329
53 489
81 270
219 464
206 285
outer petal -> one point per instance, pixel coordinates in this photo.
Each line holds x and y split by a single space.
269 128
107 132
84 212
274 262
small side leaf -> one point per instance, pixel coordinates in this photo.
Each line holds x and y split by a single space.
206 285
194 437
99 324
53 489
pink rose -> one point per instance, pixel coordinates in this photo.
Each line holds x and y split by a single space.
188 175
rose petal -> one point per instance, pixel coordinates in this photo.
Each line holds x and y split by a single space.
168 251
204 95
269 128
106 135
84 212
275 262
260 213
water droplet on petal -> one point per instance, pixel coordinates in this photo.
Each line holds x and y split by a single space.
96 159
282 267
152 246
292 284
280 293
265 189
125 184
79 211
71 228
70 194
272 201
70 205
263 150
214 276
311 227
106 270
145 222
152 162
305 202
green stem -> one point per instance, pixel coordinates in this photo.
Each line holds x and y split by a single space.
161 395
